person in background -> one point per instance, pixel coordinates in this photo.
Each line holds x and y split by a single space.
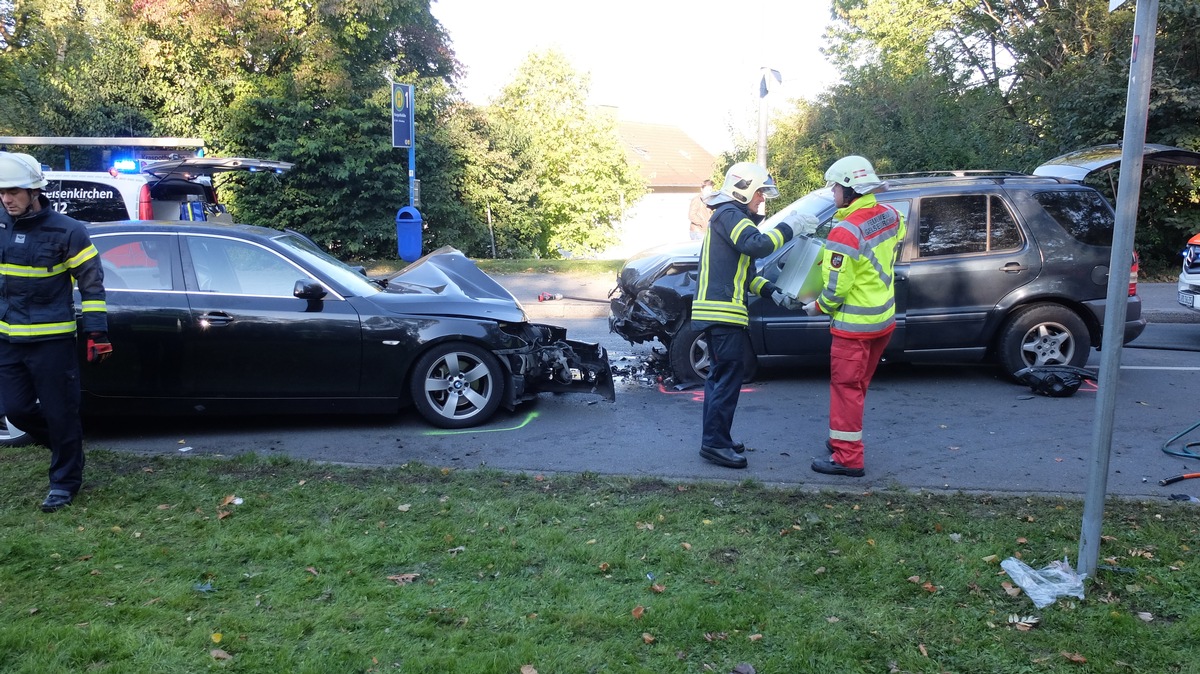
699 211
858 271
727 274
41 251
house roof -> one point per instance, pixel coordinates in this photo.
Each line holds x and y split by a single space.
665 155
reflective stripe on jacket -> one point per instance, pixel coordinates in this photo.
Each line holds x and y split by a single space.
40 253
727 270
858 266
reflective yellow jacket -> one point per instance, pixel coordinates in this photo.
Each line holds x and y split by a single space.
727 270
858 266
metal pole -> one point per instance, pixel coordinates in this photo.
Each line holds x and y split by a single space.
412 170
762 128
1136 110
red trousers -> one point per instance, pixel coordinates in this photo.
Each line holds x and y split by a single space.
852 364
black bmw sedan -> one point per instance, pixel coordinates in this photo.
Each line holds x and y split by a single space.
211 318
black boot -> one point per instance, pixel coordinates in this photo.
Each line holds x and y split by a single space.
723 456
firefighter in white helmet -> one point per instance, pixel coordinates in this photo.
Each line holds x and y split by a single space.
727 274
42 251
857 268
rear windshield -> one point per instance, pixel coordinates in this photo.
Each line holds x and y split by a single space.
1083 214
86 200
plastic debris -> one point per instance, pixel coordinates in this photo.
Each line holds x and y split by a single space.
1044 586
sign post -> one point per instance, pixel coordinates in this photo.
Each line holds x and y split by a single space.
402 131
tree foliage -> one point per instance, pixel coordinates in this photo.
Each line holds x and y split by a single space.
310 83
1003 84
583 181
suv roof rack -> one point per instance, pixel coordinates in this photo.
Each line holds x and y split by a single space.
984 173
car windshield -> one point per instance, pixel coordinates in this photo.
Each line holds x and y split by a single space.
348 276
818 203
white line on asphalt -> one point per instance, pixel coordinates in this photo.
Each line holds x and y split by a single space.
1154 367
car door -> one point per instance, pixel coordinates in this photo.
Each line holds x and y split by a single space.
249 337
965 251
147 314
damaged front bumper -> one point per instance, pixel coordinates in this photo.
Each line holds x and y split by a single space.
551 363
654 313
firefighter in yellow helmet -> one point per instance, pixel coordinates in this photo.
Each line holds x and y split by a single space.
41 251
857 269
727 274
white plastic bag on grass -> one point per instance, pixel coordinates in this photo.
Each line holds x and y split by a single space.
1045 585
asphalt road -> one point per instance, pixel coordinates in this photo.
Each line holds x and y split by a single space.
942 428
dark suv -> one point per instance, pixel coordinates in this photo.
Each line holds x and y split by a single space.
997 266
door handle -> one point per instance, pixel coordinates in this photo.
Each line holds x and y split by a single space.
215 318
1013 268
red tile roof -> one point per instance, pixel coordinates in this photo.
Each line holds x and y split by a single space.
666 156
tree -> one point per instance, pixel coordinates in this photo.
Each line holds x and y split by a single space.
582 179
1004 84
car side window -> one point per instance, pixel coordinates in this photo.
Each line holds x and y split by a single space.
1084 214
136 261
238 267
86 200
966 224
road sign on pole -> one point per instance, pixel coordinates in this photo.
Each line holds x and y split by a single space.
402 115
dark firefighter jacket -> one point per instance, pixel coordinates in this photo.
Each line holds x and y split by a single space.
727 270
39 254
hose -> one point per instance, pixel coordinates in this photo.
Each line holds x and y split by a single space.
1184 451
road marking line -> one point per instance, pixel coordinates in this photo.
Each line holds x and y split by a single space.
471 431
1160 367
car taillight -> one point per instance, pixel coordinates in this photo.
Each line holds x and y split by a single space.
145 208
1133 272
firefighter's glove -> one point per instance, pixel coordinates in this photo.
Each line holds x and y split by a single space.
784 300
98 347
805 223
812 308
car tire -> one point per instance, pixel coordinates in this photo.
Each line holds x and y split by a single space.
1043 334
11 436
457 385
688 355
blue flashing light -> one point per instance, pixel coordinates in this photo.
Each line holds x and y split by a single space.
127 166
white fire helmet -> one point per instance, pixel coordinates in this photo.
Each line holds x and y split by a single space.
745 178
854 172
18 169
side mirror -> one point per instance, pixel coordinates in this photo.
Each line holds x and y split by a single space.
308 289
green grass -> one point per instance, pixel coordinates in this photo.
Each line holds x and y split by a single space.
150 565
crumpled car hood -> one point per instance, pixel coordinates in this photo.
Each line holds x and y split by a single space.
447 283
643 269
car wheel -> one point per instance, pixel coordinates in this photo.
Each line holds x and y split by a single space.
1044 334
11 436
690 359
457 385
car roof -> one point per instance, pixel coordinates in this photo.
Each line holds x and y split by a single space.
917 181
183 227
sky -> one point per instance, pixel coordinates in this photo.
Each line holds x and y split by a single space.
687 63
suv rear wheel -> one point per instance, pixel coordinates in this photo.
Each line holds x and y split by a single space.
1043 334
690 358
